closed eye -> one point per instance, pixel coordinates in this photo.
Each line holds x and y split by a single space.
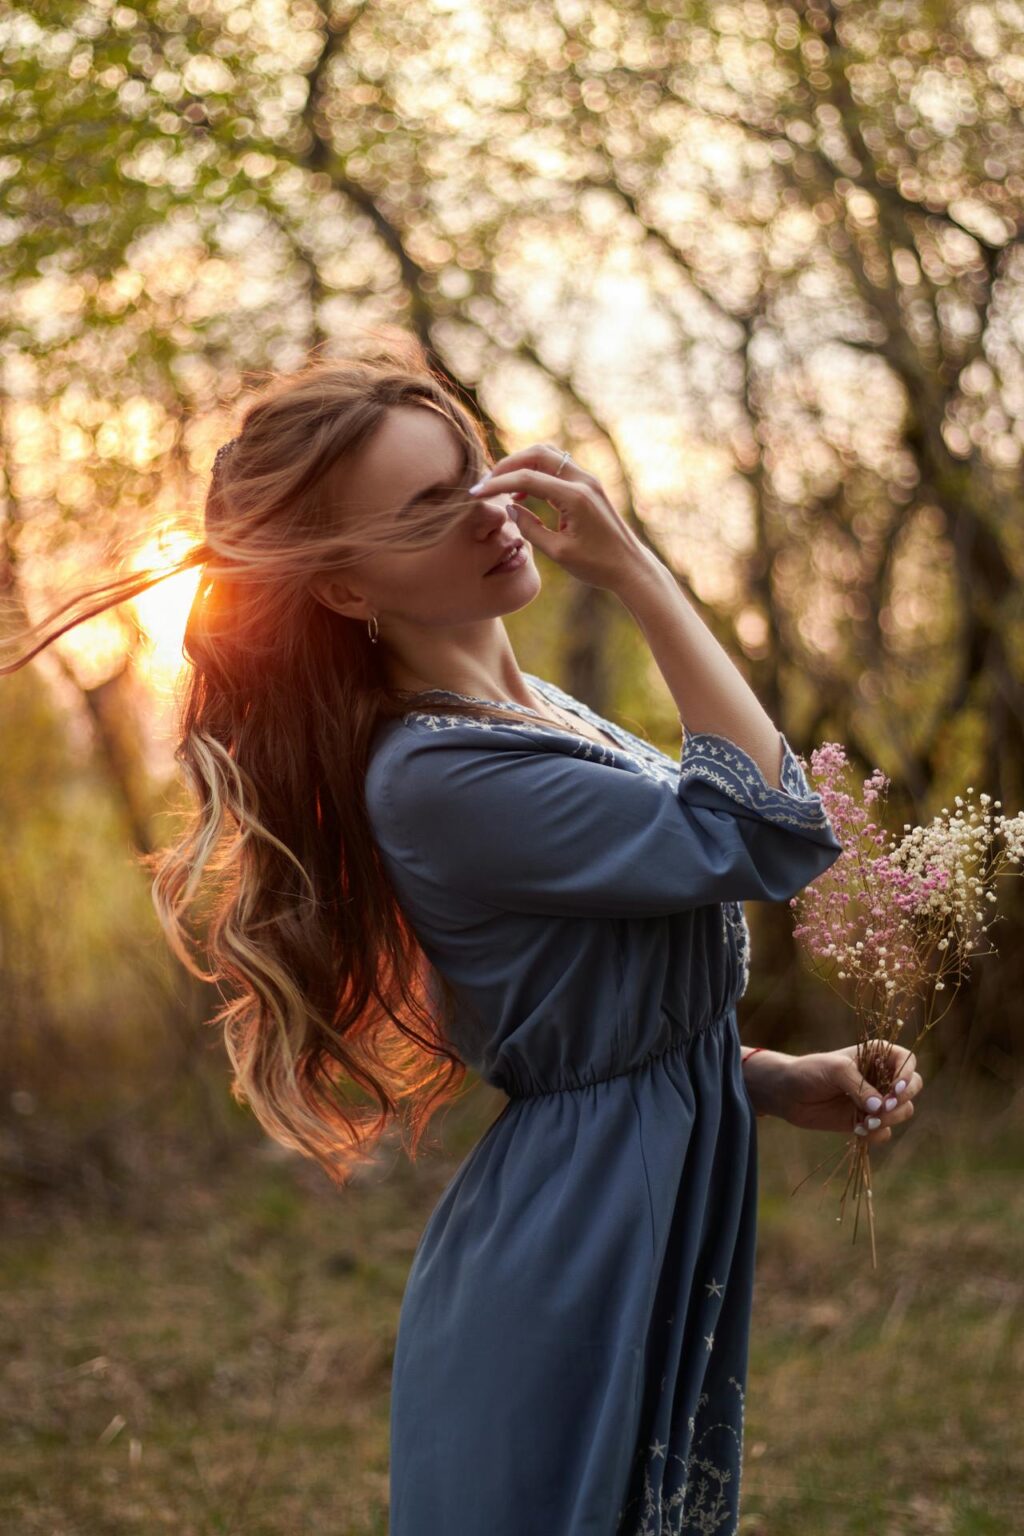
440 492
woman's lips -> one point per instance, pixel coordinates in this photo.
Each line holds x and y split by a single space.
515 558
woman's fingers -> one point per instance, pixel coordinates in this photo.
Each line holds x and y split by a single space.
876 1114
549 487
563 495
867 1130
541 456
592 542
877 1125
871 1137
903 1063
906 1080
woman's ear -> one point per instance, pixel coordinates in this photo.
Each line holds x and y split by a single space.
335 593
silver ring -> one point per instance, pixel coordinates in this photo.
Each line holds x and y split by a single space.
562 464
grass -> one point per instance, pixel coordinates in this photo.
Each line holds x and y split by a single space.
889 1400
214 1358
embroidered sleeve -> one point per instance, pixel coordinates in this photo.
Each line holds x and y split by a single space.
716 761
501 819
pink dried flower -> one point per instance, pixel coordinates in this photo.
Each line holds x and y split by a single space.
896 915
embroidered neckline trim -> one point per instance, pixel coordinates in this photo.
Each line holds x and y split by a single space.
572 706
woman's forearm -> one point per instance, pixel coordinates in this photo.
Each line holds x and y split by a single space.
711 693
763 1075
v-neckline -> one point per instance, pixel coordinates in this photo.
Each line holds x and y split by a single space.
609 744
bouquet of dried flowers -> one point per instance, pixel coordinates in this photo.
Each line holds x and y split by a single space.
896 918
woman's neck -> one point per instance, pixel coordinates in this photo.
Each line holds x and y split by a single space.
513 690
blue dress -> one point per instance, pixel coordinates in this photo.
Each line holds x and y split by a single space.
571 1353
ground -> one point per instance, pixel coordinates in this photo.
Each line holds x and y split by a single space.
209 1352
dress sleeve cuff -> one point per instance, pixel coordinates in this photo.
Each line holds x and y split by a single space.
716 761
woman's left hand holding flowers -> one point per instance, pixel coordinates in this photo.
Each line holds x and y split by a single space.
824 1091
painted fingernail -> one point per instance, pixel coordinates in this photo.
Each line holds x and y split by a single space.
900 1085
873 1103
860 1130
873 1122
891 1103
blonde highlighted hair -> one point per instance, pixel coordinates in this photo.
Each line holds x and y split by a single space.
337 1024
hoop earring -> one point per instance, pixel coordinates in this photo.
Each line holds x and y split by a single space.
373 633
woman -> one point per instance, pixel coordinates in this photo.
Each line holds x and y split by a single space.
423 859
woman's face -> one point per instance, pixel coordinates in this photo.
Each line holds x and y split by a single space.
415 458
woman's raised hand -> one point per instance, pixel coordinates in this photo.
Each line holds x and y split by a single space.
591 542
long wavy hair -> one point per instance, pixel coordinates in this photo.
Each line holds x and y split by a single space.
336 1022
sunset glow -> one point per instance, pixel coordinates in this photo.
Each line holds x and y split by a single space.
95 650
163 610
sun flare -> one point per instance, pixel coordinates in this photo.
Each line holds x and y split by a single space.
162 611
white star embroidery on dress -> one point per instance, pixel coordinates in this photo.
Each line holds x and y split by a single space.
709 1339
714 1287
695 1493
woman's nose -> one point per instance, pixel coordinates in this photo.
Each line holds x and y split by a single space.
494 512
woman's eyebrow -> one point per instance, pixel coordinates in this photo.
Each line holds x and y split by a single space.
441 485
